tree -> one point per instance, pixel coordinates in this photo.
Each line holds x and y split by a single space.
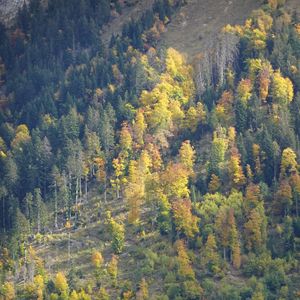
241 116
175 181
214 184
117 232
187 155
211 259
112 269
119 165
284 197
139 127
164 214
143 293
282 89
28 209
39 210
102 294
252 197
194 116
97 259
218 151
92 149
224 108
236 173
35 289
22 136
74 296
255 230
244 90
288 162
135 186
60 283
180 72
184 220
222 229
107 133
265 81
185 270
256 157
8 291
234 243
295 184
125 138
258 293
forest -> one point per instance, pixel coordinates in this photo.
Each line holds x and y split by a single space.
128 171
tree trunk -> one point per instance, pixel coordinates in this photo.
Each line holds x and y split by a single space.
25 266
76 191
3 214
69 247
105 186
55 205
297 211
80 189
86 188
38 220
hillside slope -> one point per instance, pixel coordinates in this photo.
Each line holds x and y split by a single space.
196 25
135 184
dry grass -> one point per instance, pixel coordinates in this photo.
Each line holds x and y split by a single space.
196 25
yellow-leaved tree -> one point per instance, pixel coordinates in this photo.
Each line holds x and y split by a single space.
282 89
184 219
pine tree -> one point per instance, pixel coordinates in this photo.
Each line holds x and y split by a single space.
117 232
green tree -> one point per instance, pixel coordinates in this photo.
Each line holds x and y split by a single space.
117 232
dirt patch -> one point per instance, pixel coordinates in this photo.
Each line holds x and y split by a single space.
196 25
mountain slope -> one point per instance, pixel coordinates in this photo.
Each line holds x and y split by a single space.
197 24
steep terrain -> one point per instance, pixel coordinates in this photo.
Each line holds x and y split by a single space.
197 24
199 185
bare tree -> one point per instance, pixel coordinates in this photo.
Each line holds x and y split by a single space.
212 64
